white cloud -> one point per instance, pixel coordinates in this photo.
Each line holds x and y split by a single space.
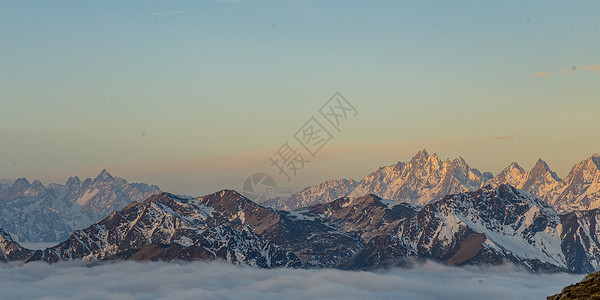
217 280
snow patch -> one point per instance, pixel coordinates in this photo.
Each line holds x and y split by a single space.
83 200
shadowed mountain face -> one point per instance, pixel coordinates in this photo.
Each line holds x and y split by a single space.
486 226
11 250
32 212
426 178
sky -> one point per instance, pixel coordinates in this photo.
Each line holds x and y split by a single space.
195 96
222 280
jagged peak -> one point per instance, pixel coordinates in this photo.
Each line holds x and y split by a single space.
333 181
104 176
21 180
21 184
73 181
459 162
514 165
37 184
593 162
226 196
541 165
434 159
595 158
421 155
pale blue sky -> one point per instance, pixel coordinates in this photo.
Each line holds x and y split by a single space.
195 95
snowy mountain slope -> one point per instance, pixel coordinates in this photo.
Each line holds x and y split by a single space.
32 212
223 225
313 239
580 190
487 226
425 178
512 221
491 225
512 175
328 190
421 180
540 180
369 216
168 227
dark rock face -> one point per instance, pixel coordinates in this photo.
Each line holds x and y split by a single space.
11 250
580 240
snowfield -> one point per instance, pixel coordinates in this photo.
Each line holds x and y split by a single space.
219 280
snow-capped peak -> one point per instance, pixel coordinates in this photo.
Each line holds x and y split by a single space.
515 166
61 209
103 176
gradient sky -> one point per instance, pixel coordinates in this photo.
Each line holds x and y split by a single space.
196 95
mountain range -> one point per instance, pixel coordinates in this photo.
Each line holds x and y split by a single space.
491 225
426 178
423 209
32 212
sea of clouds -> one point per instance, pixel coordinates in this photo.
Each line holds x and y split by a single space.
221 280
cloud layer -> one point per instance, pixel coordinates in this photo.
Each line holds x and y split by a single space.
217 280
